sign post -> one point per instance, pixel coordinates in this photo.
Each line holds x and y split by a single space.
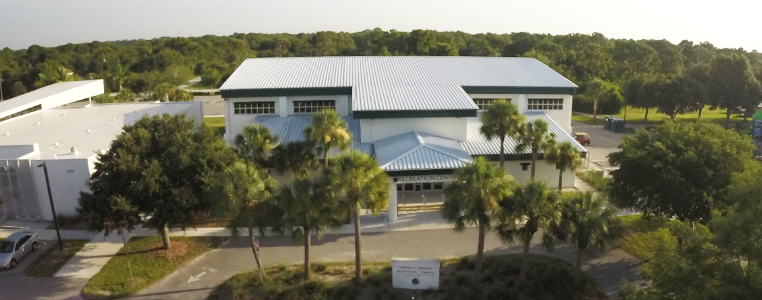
415 274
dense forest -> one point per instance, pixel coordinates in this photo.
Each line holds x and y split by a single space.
656 74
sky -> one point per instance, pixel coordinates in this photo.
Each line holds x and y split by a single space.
726 24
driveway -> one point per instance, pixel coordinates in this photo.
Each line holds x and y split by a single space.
15 285
603 142
234 257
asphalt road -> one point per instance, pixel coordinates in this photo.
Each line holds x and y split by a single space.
235 256
15 285
602 142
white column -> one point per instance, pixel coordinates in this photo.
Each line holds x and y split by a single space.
392 211
283 107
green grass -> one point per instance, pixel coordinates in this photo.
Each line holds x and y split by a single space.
595 180
644 234
549 278
53 259
149 264
198 86
216 123
637 115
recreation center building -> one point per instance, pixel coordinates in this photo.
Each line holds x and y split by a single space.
53 125
418 116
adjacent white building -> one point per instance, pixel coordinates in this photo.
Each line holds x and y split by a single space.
418 116
46 125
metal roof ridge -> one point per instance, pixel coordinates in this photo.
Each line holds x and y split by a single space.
422 144
447 154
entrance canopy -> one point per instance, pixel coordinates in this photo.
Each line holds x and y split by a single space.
415 151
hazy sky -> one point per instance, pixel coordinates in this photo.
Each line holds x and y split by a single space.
728 23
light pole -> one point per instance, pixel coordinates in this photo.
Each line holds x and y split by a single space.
1 87
52 207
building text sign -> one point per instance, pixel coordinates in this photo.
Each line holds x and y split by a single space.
415 274
424 178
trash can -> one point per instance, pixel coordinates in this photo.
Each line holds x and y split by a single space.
607 123
617 125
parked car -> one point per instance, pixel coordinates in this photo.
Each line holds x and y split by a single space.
16 246
582 138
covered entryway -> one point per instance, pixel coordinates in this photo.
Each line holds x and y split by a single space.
419 166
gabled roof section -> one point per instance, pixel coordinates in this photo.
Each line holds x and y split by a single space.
476 144
291 128
419 151
383 84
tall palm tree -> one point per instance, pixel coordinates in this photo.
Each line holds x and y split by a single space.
297 158
247 188
590 223
535 137
117 73
472 198
307 207
361 181
566 157
502 120
328 131
530 208
255 143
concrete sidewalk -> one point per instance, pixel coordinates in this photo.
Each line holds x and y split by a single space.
92 257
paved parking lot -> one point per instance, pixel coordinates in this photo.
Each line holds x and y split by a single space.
14 284
602 142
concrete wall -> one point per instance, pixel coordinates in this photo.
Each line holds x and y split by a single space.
543 172
372 130
67 178
18 191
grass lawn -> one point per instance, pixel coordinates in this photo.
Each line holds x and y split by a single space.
149 264
216 123
53 259
636 116
198 86
643 235
549 278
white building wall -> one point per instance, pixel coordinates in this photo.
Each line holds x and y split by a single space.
67 178
372 130
543 172
562 117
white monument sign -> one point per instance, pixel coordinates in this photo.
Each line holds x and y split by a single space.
415 274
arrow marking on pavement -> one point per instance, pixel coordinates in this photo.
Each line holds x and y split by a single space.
196 278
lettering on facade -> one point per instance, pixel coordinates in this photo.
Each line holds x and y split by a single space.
423 178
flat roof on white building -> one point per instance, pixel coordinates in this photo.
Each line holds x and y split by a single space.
53 95
87 129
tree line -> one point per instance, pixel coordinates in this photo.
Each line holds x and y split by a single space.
673 78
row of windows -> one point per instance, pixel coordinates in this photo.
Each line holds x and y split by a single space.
313 106
249 108
532 104
545 104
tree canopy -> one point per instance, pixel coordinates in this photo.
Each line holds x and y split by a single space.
680 170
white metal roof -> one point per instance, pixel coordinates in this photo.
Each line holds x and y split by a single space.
53 95
420 151
88 129
477 144
291 128
395 83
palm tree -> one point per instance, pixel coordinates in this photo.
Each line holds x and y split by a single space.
297 158
566 157
472 198
307 207
590 223
117 73
501 120
247 187
535 137
362 182
529 209
328 131
255 143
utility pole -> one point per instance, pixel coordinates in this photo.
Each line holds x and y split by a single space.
52 207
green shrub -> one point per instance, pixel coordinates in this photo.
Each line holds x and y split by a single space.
595 179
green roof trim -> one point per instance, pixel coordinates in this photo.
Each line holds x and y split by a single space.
323 91
519 90
389 114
